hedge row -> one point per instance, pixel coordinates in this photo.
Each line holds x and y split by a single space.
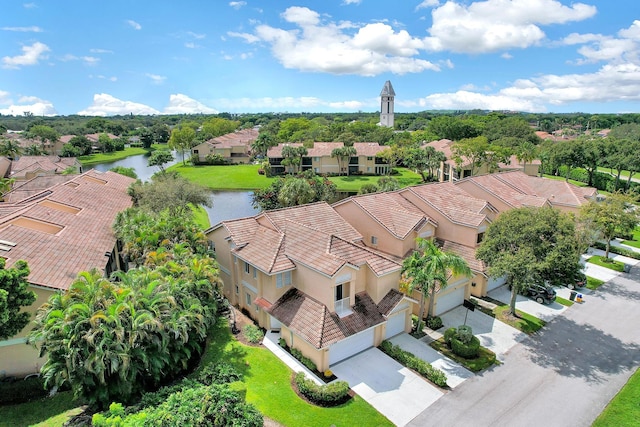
617 250
409 360
20 391
601 180
326 395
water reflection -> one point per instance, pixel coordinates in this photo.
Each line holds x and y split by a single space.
139 163
230 205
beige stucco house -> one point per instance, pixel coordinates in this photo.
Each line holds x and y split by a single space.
319 159
234 148
305 272
60 232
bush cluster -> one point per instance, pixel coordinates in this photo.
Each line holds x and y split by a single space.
20 391
219 373
601 180
253 333
434 322
310 364
617 250
326 395
462 341
409 360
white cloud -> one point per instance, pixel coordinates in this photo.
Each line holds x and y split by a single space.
30 104
100 51
182 104
346 105
352 1
156 79
190 45
30 5
249 38
494 25
32 29
328 47
466 100
237 4
133 24
107 105
88 60
102 77
506 55
427 3
30 56
196 35
598 47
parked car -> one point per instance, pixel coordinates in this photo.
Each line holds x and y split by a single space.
541 294
578 282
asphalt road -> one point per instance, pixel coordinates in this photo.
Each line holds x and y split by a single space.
563 376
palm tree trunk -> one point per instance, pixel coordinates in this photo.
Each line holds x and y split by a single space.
418 326
432 298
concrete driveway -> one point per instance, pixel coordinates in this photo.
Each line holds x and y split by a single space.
545 312
456 374
493 334
395 391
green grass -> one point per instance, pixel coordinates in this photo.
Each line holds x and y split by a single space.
593 283
623 410
635 240
201 217
524 322
267 381
93 159
611 264
246 177
563 301
45 412
561 178
623 174
485 359
353 183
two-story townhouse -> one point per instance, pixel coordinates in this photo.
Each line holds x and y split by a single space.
60 232
304 271
234 148
319 159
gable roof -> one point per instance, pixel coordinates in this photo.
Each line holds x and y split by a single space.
313 321
466 252
512 195
243 137
52 164
78 215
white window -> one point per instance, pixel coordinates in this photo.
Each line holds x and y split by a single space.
283 279
248 299
374 240
255 273
316 159
246 267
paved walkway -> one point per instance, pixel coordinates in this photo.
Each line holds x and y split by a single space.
456 374
545 312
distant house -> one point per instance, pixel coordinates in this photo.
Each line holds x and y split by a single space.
451 171
319 159
234 148
60 231
28 167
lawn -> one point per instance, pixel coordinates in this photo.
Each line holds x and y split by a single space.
93 159
246 177
623 410
610 264
267 381
593 283
635 240
201 217
565 302
623 174
524 322
45 412
485 359
561 178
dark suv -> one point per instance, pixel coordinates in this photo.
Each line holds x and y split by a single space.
542 294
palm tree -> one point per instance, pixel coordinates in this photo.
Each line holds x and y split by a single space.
10 148
526 153
428 270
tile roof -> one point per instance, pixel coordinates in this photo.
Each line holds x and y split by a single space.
313 235
452 202
390 301
369 149
512 195
391 210
314 322
53 164
243 137
324 149
24 189
466 252
83 237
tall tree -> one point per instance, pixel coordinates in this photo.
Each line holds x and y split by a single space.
472 149
428 270
14 295
10 148
46 134
612 217
343 154
531 245
182 139
160 158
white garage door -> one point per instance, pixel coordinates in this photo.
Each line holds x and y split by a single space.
450 300
395 324
350 346
495 283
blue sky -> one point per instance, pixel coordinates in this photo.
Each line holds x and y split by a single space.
159 57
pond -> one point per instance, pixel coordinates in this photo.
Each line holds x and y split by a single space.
226 204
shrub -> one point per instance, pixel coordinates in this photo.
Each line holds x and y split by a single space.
253 333
20 391
282 343
464 333
215 159
219 373
310 364
409 360
467 350
450 333
434 322
327 395
617 250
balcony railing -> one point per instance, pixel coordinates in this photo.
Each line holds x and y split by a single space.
343 308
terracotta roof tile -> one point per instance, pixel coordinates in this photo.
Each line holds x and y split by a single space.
390 301
466 252
513 196
243 137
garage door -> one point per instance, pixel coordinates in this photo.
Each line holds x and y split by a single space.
395 324
495 283
450 300
350 346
